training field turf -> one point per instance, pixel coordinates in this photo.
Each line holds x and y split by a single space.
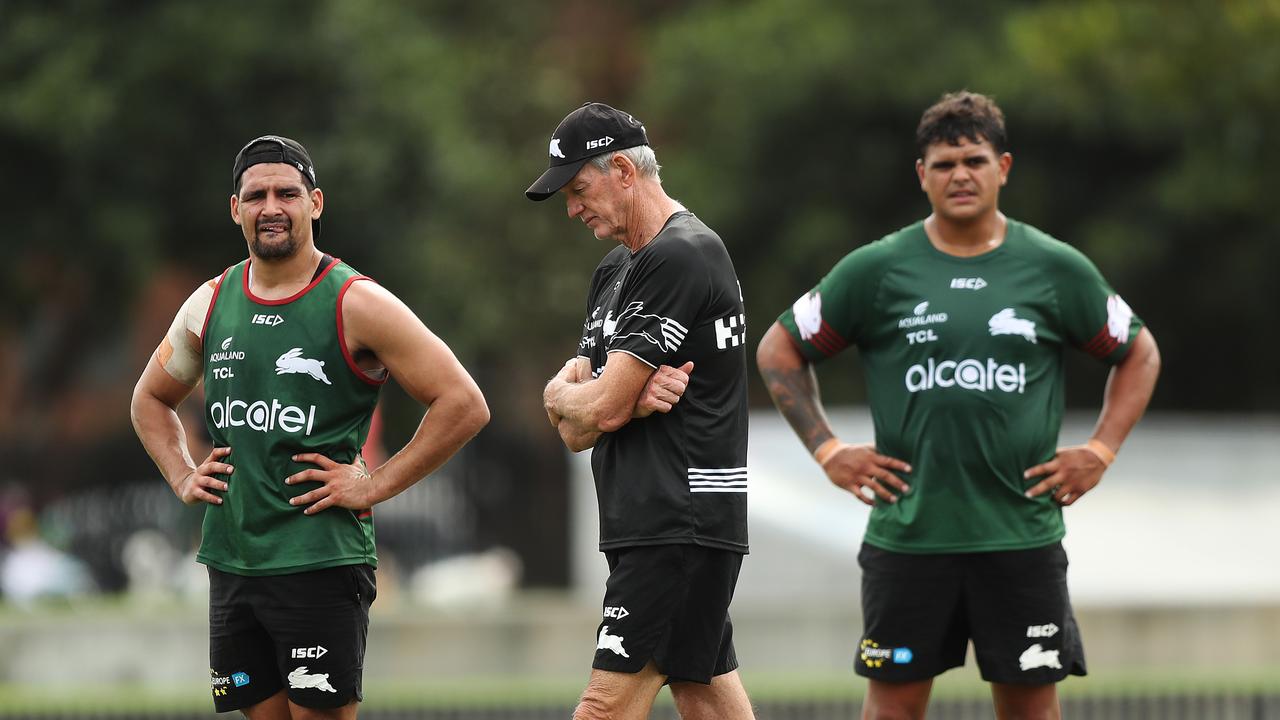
509 695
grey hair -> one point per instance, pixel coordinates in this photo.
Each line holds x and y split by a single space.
641 156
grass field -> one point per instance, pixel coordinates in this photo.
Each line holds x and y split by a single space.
78 648
494 692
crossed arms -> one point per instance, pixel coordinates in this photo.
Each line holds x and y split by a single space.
581 408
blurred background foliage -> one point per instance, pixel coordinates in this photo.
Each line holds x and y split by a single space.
1139 132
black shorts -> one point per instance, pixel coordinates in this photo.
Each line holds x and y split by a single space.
304 631
669 603
920 611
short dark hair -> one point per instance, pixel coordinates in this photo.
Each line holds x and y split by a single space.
963 114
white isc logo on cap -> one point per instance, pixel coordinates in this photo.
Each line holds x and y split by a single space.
605 141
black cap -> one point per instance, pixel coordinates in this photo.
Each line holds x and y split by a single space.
591 130
273 149
276 149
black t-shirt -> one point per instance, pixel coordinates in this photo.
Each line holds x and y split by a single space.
677 477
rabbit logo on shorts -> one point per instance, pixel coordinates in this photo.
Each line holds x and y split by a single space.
299 679
610 642
1037 657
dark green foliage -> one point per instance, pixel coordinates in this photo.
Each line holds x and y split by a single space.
1141 134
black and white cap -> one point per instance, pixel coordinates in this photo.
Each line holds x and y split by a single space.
591 130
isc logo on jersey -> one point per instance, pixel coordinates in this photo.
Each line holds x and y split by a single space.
969 374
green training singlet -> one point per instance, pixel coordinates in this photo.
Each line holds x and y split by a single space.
964 366
278 381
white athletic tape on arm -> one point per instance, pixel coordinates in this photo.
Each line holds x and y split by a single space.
1100 449
826 451
185 362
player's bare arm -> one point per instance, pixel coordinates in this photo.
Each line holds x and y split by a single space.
1076 470
380 327
791 383
169 377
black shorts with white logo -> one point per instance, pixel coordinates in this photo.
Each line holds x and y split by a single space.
669 603
305 632
920 611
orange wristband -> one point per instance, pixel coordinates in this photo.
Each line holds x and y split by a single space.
828 448
1099 448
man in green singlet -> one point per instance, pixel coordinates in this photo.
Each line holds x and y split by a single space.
292 346
961 321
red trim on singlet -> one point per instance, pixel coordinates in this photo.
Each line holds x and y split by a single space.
245 282
827 340
342 338
364 514
209 313
1102 344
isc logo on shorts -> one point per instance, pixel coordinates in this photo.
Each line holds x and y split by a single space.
309 652
616 613
1042 631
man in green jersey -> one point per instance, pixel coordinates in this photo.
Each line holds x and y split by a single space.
961 321
292 347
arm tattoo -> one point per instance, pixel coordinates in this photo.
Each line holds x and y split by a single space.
795 392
